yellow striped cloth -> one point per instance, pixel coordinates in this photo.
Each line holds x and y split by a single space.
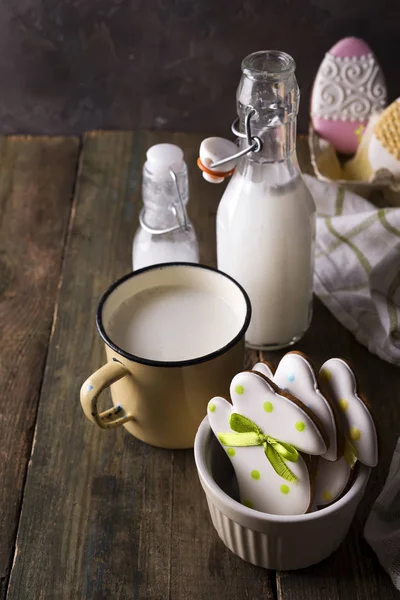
357 266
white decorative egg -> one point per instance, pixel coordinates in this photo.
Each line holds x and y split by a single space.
348 88
384 145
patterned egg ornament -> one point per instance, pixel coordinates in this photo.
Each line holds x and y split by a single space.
348 88
384 145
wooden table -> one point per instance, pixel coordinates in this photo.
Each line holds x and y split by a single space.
88 514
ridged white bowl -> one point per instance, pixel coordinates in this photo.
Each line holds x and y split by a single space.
266 540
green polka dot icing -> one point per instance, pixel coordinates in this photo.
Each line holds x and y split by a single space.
300 426
355 434
212 407
325 374
232 423
231 451
248 503
290 377
327 496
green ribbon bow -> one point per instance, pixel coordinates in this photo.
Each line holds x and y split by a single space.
249 434
350 453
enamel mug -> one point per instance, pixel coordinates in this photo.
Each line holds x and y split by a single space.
159 402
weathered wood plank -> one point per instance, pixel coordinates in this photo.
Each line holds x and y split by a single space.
353 572
114 518
105 516
36 187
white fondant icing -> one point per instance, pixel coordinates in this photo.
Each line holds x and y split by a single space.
280 423
338 88
264 494
264 369
295 374
330 480
355 417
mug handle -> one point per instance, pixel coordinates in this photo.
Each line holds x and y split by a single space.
91 390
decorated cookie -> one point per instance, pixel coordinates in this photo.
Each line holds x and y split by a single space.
358 168
263 434
296 376
348 88
384 145
265 369
340 384
330 481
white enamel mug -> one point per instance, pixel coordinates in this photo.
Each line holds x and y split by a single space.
160 402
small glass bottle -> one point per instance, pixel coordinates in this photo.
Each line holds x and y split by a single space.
266 217
165 233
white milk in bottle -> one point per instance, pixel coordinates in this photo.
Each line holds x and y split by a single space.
266 217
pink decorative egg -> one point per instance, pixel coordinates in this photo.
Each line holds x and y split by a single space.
348 88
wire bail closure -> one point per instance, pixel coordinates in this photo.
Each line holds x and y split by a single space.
255 143
182 223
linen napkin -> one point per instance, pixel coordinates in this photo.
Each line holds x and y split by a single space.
382 529
357 266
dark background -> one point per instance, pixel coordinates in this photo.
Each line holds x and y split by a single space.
71 65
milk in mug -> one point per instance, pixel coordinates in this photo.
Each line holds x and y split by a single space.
173 323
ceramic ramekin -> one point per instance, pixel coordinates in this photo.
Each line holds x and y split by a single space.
266 540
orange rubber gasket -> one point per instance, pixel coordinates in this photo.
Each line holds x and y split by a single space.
214 173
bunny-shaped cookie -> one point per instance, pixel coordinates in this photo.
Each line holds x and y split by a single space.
262 433
339 382
330 480
296 375
265 369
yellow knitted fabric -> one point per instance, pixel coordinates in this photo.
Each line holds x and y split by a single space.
387 129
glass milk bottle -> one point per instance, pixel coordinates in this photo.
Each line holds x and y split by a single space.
165 233
266 217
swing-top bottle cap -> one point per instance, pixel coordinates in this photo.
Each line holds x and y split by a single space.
163 157
212 150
